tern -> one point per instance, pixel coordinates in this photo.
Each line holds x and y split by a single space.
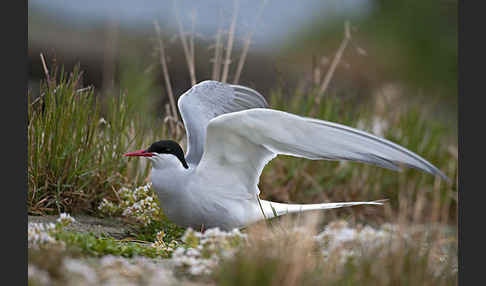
231 136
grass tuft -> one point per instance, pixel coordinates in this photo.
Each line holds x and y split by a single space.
75 146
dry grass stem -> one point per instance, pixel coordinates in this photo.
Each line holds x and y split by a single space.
188 48
246 46
335 62
165 71
229 45
436 200
242 59
217 55
419 206
109 60
191 43
218 51
44 66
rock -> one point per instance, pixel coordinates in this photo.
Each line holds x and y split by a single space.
114 227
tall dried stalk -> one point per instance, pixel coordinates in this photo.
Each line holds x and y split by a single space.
165 72
246 45
110 52
217 55
335 62
229 45
191 46
218 48
188 48
44 66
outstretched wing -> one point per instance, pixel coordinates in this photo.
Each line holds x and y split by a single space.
240 144
206 100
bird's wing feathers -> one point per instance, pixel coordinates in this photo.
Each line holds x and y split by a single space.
207 100
239 145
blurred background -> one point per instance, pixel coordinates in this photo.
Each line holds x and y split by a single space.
405 50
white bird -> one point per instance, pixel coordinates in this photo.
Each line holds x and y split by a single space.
231 136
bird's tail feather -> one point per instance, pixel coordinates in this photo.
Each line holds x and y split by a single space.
273 209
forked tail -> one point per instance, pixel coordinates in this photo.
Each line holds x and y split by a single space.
272 209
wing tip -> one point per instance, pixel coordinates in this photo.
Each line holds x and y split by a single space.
431 169
380 202
443 176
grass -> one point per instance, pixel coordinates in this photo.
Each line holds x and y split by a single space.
75 146
91 245
283 255
306 181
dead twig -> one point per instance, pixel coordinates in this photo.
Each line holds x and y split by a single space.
217 56
229 45
165 71
246 45
188 51
191 45
109 57
218 48
335 62
44 66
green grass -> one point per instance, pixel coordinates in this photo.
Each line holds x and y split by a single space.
305 181
92 245
75 146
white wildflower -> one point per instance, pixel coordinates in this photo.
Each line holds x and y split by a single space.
139 204
65 219
40 234
341 241
207 249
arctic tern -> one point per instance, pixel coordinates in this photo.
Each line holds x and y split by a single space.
231 136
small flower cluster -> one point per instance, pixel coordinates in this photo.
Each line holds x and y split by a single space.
139 204
65 219
113 270
40 234
160 244
339 242
207 249
338 239
109 270
109 208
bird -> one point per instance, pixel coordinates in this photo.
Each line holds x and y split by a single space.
231 135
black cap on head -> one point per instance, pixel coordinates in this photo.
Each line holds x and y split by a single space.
168 147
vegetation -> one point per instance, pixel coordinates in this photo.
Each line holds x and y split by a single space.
76 140
75 146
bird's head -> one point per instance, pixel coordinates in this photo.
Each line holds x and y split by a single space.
163 153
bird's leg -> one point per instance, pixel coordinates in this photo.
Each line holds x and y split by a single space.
202 228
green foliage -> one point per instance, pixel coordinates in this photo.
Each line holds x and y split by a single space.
75 150
149 232
89 244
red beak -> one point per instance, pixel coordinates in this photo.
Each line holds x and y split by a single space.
142 153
